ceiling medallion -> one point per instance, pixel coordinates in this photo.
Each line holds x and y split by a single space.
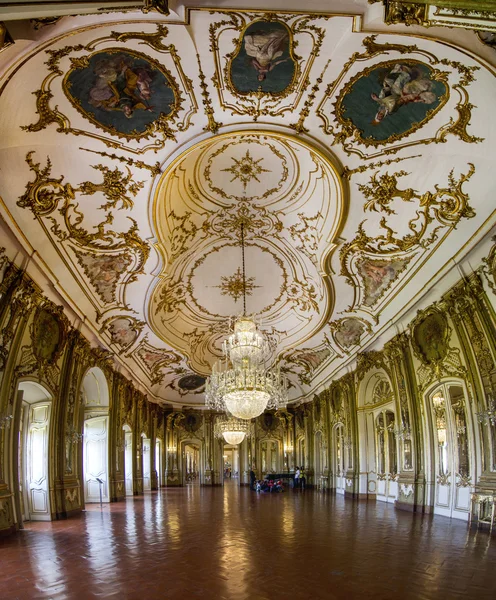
241 384
234 285
246 169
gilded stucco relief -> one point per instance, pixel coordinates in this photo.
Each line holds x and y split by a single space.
262 75
143 201
123 92
199 220
390 100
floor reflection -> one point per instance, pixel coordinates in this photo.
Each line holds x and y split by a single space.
231 543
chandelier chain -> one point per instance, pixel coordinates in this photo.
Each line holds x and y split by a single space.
243 265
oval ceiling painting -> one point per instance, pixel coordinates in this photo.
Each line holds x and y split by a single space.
122 92
391 100
263 60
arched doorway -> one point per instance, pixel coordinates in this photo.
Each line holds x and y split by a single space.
377 429
270 452
191 463
128 460
339 466
33 500
452 463
321 467
158 462
147 457
386 455
231 462
300 452
96 438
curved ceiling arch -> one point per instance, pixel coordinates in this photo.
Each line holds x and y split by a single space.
291 201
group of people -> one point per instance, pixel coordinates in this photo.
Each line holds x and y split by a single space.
269 485
300 478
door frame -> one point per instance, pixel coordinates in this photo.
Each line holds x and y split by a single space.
431 461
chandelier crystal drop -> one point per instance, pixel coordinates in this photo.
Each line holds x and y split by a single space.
232 430
241 384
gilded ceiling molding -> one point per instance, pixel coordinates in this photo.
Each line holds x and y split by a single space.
269 83
130 162
108 257
5 37
351 129
140 70
42 22
347 173
286 219
213 126
299 126
371 265
428 13
160 6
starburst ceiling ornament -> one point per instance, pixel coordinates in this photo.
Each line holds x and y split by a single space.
246 169
241 384
232 430
234 286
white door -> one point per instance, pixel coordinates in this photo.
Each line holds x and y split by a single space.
128 461
147 456
158 462
37 492
95 459
387 463
452 455
339 459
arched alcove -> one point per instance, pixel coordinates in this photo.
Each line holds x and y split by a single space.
95 396
450 444
32 476
377 429
95 389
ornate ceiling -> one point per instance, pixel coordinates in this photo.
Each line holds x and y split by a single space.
133 147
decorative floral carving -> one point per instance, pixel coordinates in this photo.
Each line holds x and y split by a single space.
104 254
446 207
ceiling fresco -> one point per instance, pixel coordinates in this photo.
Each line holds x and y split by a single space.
358 162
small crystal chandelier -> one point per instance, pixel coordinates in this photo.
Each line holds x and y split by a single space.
232 430
488 416
241 384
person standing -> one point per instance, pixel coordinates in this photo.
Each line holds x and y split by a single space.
252 479
297 477
302 478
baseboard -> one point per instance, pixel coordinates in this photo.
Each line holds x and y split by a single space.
8 531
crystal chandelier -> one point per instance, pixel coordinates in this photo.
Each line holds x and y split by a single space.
488 416
241 384
232 430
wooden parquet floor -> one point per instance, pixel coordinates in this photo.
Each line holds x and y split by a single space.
234 544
